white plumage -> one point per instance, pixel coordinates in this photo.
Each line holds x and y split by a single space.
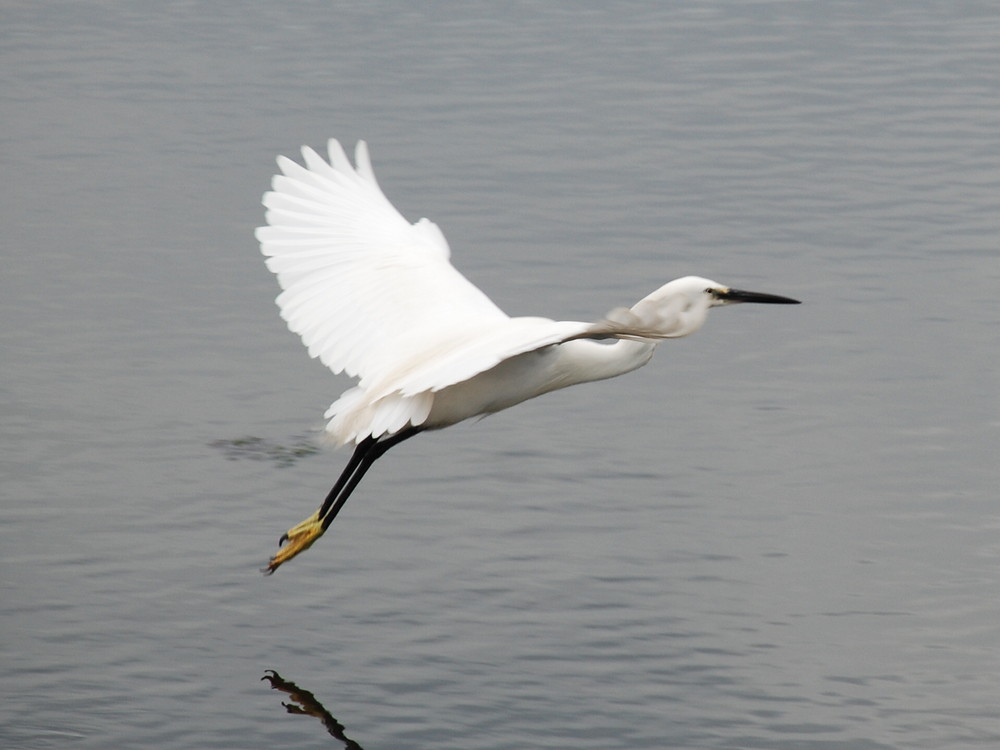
377 298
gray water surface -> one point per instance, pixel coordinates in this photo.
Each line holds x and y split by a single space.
782 533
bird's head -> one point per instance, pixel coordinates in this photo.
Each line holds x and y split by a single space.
680 307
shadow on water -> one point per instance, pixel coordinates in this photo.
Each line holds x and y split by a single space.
305 703
260 449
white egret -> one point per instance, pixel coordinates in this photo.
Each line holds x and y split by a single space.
377 297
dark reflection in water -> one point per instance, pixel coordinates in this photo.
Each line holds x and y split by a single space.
253 448
304 703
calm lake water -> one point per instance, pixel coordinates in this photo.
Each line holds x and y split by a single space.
783 533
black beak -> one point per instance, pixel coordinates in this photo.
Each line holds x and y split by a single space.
738 295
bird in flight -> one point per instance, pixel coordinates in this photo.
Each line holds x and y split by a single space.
377 297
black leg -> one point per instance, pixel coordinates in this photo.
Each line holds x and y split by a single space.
368 451
356 458
360 452
301 536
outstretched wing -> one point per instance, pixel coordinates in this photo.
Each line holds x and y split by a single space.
362 286
377 297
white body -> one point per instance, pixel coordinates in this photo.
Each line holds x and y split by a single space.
377 297
533 373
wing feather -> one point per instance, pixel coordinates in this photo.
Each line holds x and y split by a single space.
468 352
360 283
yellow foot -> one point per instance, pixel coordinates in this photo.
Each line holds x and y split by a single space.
299 538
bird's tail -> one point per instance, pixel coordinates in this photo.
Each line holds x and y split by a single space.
355 416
